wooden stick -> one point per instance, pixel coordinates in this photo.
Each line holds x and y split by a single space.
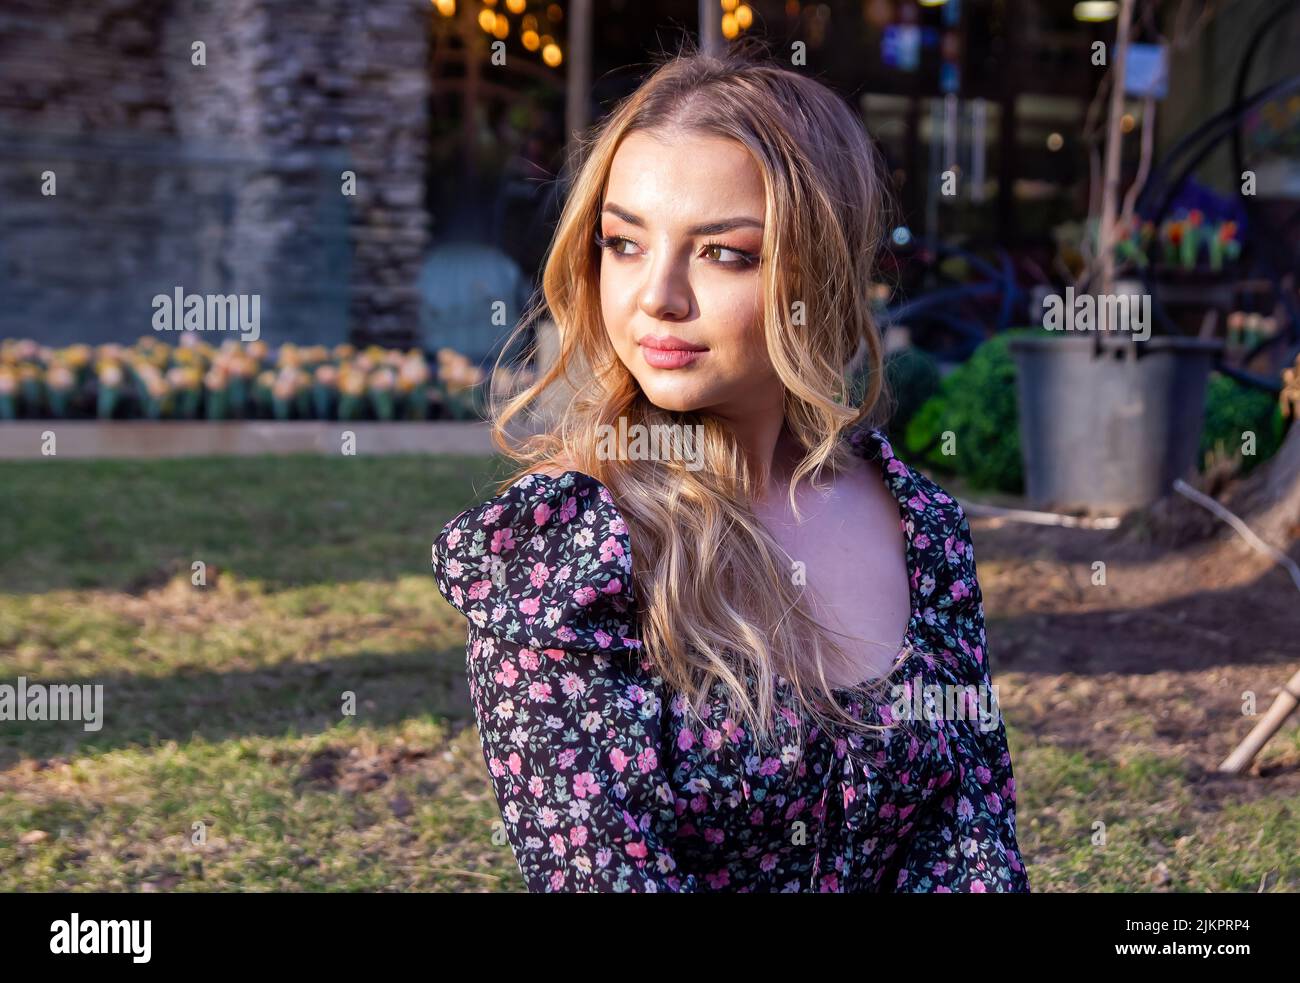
1242 530
1244 753
1041 518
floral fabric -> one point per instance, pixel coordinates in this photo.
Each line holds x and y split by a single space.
605 783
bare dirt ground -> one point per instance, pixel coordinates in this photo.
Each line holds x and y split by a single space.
1159 654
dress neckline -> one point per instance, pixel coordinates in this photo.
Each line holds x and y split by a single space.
871 444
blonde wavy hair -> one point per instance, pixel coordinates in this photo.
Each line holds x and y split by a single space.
717 600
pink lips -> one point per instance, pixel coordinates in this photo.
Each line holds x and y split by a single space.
669 351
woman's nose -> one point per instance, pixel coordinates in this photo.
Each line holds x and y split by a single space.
666 293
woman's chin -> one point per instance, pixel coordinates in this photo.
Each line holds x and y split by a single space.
672 400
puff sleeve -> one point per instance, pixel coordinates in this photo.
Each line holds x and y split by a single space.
567 712
966 842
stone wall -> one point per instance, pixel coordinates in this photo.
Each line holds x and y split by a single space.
223 177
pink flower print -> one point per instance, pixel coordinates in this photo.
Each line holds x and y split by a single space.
712 739
506 675
952 549
453 538
685 739
584 595
539 575
479 589
557 845
637 849
555 655
977 887
603 639
542 513
614 586
584 784
540 692
922 541
964 808
530 605
515 763
572 685
565 634
457 596
983 774
994 803
959 590
619 760
578 835
609 549
569 509
491 515
497 768
647 760
714 836
718 879
503 539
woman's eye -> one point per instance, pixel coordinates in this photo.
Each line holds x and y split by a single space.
737 258
615 244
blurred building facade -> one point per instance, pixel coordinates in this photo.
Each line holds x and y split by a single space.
241 146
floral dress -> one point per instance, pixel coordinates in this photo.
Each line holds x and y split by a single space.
606 783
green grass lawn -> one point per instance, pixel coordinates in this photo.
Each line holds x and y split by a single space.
226 761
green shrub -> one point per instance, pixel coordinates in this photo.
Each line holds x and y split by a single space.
913 377
977 402
1232 409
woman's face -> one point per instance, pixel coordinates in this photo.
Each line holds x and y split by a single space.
681 290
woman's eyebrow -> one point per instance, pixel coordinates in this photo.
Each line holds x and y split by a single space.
708 229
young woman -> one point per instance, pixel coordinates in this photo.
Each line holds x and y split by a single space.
750 663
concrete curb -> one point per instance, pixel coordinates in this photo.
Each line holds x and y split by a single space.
24 439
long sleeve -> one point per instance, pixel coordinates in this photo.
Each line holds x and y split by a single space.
568 716
966 841
572 742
